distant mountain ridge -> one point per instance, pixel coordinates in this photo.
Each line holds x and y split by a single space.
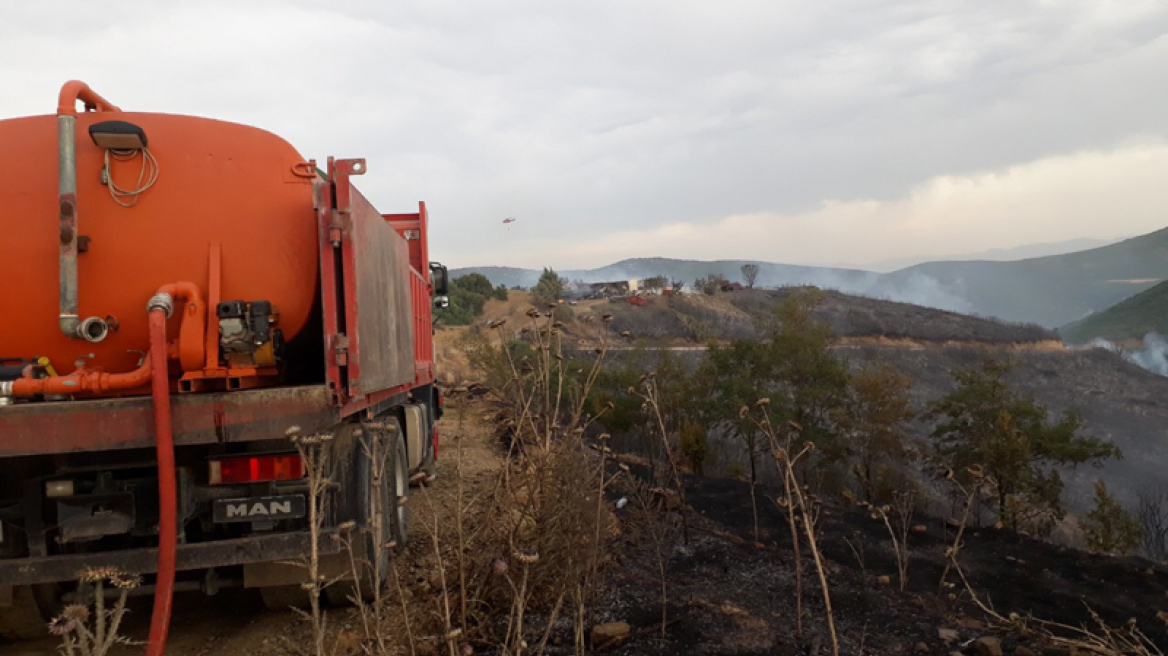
1052 290
1023 252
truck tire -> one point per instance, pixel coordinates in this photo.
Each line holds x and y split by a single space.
399 490
389 513
429 460
23 620
285 597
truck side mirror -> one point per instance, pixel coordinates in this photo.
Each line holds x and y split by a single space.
440 278
441 302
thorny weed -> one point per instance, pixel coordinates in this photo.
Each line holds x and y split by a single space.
897 518
978 484
86 631
314 452
659 529
369 551
651 403
800 509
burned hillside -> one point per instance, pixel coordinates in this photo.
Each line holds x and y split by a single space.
737 315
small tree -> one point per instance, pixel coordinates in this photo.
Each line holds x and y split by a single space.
808 375
983 422
878 409
549 288
795 368
710 284
729 378
476 283
655 283
467 296
749 274
1109 527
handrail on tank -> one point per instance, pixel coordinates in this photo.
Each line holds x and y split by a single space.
75 90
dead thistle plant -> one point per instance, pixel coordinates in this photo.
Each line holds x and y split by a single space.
650 397
655 526
897 518
800 509
314 454
1102 640
93 632
970 492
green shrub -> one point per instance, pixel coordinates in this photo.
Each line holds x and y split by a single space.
1109 527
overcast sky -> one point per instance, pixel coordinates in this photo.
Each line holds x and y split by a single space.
816 131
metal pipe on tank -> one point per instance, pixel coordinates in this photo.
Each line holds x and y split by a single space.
93 329
68 317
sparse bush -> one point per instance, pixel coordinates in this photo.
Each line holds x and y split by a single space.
710 284
563 314
877 412
694 445
655 283
984 422
1153 516
489 360
1109 528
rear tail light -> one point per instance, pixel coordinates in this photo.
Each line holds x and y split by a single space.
255 469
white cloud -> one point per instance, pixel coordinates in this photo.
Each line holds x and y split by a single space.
1033 203
584 119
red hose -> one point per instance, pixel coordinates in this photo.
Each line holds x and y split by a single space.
167 525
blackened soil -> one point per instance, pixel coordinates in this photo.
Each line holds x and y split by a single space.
730 595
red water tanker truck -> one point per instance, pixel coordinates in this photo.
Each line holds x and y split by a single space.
185 298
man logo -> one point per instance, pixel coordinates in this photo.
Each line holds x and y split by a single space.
259 509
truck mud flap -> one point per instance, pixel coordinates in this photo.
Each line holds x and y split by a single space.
204 555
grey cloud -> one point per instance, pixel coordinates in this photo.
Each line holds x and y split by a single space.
586 117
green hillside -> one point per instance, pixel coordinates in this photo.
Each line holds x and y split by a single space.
1131 318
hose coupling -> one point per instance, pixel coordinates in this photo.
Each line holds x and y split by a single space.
161 301
93 329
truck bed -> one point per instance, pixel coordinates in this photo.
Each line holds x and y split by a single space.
128 423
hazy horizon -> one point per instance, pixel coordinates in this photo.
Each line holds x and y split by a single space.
1007 254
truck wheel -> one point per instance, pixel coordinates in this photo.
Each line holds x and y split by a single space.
429 462
284 597
23 620
383 478
400 491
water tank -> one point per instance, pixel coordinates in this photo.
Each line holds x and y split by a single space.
240 187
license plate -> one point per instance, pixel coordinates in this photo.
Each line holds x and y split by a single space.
258 509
